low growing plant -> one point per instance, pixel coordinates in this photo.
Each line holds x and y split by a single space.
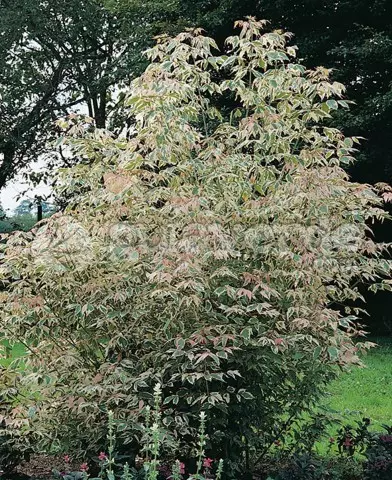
307 466
151 467
15 446
378 455
374 447
351 440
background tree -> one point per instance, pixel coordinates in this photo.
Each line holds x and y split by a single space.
5 225
2 212
24 207
26 214
56 56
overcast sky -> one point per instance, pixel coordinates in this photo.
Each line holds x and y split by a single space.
9 194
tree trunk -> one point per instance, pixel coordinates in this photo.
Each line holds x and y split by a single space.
39 209
99 103
7 164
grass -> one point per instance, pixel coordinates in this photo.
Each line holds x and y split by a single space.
16 351
366 392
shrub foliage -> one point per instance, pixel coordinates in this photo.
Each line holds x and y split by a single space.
208 248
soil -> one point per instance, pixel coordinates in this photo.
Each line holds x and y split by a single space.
41 467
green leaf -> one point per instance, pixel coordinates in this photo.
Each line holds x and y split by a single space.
59 141
332 104
246 333
247 395
317 352
220 291
333 353
348 142
345 160
134 256
178 353
221 354
343 103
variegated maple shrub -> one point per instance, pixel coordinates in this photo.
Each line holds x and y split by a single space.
212 251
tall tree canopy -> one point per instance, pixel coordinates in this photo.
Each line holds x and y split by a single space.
57 54
353 37
54 56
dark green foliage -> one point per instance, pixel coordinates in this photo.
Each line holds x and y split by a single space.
379 457
305 466
14 447
375 447
54 57
356 454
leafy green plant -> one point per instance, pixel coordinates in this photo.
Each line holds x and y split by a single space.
351 440
296 454
307 466
14 426
303 435
206 251
379 456
151 462
375 447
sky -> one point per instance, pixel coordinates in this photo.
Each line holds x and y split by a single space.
16 188
9 194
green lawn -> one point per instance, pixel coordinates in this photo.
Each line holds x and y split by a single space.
366 391
16 351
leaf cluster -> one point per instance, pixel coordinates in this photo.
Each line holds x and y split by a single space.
208 253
